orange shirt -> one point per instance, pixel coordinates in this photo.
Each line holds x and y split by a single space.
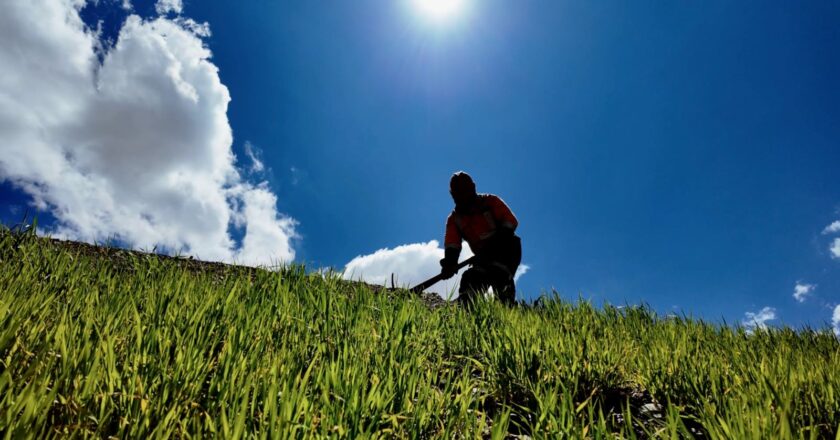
481 223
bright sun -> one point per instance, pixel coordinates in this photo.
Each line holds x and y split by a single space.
440 10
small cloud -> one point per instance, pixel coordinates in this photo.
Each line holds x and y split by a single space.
802 291
257 165
759 319
297 175
163 7
832 228
199 29
835 248
521 270
835 320
126 5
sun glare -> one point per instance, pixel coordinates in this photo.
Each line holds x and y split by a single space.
439 10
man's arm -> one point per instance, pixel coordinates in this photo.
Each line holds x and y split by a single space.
451 249
506 223
503 214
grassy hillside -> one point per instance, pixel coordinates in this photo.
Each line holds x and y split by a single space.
97 343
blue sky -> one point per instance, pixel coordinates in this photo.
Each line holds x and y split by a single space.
680 154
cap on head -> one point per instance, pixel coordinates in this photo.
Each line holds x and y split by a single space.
462 189
461 182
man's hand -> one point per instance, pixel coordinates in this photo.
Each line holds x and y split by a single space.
449 263
448 268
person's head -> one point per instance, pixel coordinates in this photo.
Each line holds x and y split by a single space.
462 189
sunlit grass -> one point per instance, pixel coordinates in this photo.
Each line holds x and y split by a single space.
150 349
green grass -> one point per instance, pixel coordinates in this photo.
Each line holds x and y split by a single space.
149 349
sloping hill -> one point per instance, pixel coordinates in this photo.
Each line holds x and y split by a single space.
104 342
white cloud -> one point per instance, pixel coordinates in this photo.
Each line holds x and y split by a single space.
832 228
835 248
521 270
801 291
256 164
137 147
166 6
268 235
835 320
296 174
411 264
759 319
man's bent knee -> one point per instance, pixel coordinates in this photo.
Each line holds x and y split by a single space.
507 295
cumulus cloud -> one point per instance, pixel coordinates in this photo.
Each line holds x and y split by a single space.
832 228
411 264
269 235
135 145
759 319
835 320
801 291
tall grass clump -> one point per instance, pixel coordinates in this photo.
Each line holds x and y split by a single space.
150 349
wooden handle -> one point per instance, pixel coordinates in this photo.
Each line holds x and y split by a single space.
431 281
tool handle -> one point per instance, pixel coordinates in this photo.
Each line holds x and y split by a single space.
431 281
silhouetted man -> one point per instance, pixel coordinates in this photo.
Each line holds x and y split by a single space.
487 225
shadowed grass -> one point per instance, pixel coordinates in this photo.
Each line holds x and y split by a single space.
147 348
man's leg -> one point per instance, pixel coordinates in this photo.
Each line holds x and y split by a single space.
504 287
504 268
506 293
473 284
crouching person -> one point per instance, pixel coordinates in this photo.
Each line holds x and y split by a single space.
488 226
